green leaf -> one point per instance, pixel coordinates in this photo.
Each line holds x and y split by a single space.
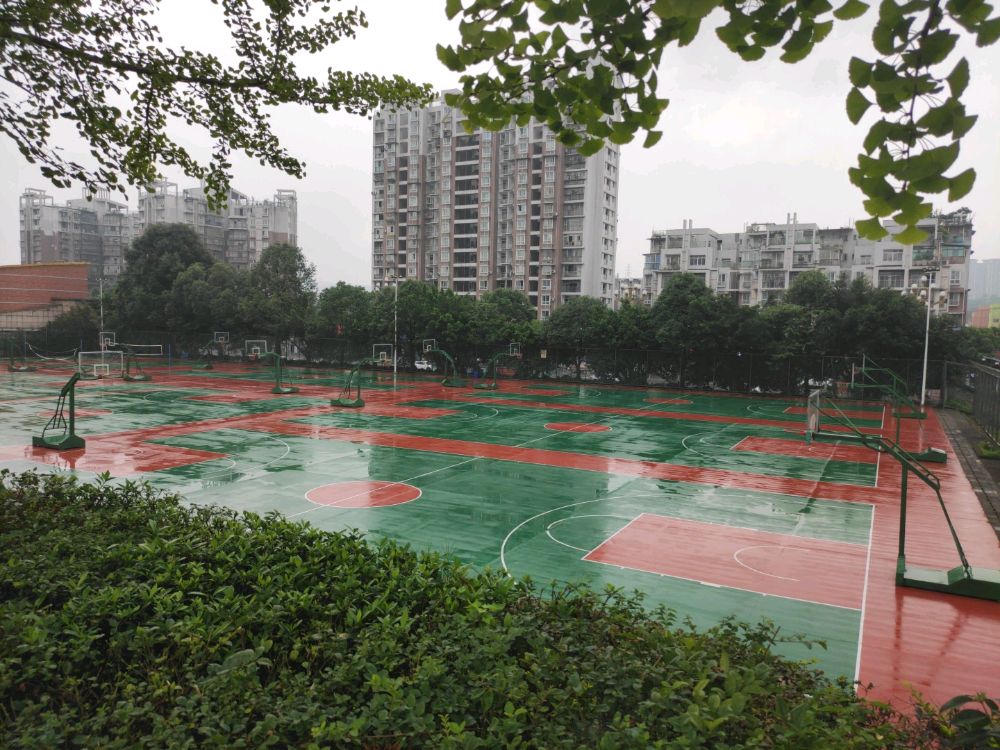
989 32
859 71
857 105
751 52
871 229
652 138
851 9
452 8
958 79
910 236
960 185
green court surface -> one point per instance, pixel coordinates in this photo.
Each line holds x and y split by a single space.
712 505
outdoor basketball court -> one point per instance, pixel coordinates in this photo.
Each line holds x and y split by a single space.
711 504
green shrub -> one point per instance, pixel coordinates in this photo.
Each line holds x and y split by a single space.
129 619
986 449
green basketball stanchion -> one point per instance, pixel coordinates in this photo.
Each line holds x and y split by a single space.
453 380
280 388
350 396
15 363
59 433
513 351
963 579
133 370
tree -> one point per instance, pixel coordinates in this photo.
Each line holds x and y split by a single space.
501 317
76 328
417 311
577 325
153 262
589 70
282 290
344 313
206 299
106 68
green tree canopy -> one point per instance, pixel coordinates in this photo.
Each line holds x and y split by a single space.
107 68
344 311
143 294
589 70
282 290
579 324
207 299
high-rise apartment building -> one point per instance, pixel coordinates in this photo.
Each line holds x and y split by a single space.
99 230
984 279
757 265
473 212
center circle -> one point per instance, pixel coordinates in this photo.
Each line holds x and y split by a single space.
576 427
363 494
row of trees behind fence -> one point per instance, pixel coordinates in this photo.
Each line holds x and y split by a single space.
172 291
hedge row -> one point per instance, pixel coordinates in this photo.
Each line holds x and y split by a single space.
130 619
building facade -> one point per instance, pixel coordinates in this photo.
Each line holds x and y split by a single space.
99 230
32 295
628 289
757 265
984 280
473 212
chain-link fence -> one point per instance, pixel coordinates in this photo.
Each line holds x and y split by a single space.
736 372
975 390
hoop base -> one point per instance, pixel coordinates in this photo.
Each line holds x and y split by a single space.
453 383
67 443
485 386
20 368
348 403
282 390
202 366
137 378
978 583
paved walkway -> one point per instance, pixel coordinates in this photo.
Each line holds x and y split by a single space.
983 473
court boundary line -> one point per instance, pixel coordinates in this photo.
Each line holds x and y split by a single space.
864 598
387 483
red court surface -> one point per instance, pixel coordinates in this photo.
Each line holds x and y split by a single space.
363 494
794 567
828 451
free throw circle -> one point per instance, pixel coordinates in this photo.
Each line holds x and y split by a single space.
363 494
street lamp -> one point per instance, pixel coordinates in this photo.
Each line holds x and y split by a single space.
925 293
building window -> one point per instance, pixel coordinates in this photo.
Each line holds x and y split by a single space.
892 256
955 277
890 279
697 260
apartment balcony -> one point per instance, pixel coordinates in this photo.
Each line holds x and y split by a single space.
805 261
772 263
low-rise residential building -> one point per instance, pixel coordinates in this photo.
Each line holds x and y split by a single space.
756 266
629 288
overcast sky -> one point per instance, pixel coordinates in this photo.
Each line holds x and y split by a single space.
743 142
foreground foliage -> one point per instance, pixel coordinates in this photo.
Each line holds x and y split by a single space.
128 619
589 70
107 69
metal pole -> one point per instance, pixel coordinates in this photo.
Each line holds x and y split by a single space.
395 330
927 341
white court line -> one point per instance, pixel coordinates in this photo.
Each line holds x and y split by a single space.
548 529
864 596
548 434
736 557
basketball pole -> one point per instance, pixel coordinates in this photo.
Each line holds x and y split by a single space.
395 330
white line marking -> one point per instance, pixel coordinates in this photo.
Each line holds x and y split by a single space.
864 596
548 529
736 557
